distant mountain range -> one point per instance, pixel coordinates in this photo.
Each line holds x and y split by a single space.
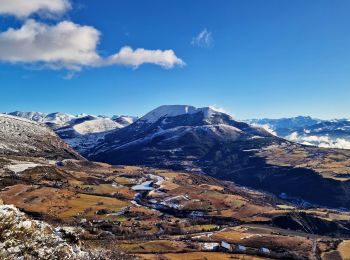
81 132
84 131
309 131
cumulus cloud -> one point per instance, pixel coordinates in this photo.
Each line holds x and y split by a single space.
63 45
25 8
129 57
204 39
320 141
71 46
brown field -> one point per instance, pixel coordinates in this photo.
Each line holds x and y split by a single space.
158 246
199 256
86 205
330 163
201 228
344 250
60 203
92 191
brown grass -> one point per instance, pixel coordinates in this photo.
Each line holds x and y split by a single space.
199 256
344 249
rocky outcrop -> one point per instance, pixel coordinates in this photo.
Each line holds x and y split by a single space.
23 238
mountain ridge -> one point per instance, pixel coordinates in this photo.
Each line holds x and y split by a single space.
23 137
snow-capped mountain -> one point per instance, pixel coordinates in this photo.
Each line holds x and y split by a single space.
34 116
283 126
309 131
82 132
23 137
172 131
87 132
54 119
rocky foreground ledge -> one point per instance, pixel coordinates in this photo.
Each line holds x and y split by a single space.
24 238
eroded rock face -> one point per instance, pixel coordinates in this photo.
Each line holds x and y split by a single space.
23 238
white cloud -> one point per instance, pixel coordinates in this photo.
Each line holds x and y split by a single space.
24 8
129 57
63 45
219 109
71 46
294 137
320 141
203 39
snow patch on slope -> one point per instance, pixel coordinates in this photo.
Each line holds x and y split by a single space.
96 126
21 167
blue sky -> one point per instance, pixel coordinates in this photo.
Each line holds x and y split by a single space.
257 58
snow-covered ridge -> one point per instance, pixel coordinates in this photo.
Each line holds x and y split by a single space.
96 126
63 119
35 116
19 119
177 110
57 118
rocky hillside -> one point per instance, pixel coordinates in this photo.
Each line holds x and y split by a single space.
21 137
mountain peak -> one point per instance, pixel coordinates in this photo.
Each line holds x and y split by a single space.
177 110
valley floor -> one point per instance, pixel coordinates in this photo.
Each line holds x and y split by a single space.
148 213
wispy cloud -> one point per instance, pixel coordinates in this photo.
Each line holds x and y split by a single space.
268 128
25 8
222 110
204 39
72 46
